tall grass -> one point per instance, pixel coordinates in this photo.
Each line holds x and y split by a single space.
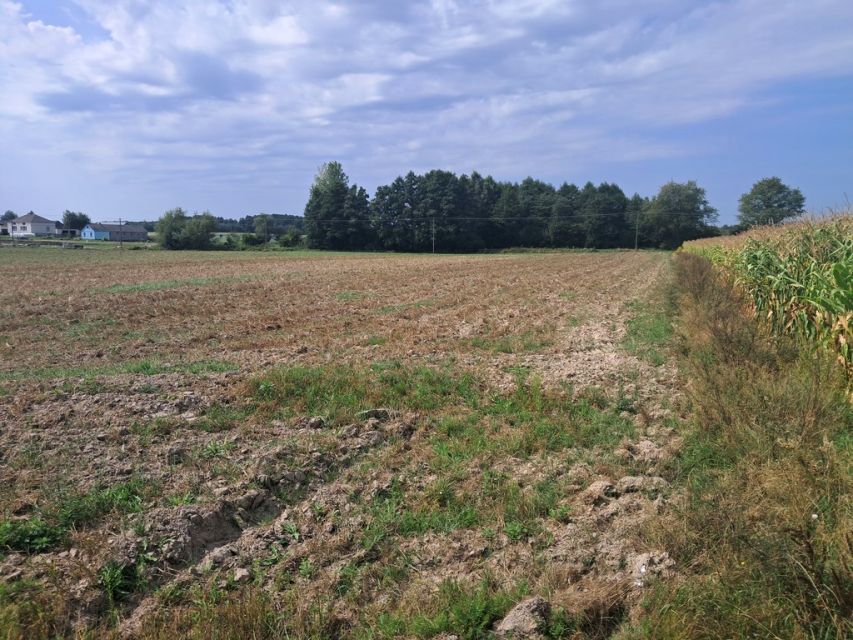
764 536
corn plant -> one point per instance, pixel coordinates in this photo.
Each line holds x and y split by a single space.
800 280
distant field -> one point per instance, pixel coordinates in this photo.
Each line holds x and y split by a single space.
186 432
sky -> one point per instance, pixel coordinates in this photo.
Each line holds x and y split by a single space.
127 108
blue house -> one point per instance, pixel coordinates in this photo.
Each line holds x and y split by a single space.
95 231
127 232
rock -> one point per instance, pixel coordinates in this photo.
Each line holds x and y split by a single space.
382 415
101 437
635 484
598 493
241 575
317 422
247 500
579 473
374 438
646 565
528 619
643 451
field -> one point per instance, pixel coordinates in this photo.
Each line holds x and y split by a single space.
321 445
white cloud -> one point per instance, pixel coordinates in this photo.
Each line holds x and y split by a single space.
229 87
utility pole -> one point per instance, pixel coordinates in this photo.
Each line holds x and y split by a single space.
120 235
637 233
433 235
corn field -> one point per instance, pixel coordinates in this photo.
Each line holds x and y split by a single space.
799 278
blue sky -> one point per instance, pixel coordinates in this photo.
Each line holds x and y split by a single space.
131 107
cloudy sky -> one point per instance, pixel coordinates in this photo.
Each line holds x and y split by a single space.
131 107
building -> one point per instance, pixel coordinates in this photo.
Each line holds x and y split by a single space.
32 225
114 232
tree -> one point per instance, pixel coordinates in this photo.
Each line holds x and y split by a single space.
9 215
769 201
325 206
169 228
262 227
74 220
679 212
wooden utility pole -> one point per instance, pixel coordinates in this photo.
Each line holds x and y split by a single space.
433 235
120 235
637 233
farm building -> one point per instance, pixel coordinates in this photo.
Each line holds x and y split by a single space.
114 232
33 225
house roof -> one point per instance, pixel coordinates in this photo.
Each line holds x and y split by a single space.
33 217
124 228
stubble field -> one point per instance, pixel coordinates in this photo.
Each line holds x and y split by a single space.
319 445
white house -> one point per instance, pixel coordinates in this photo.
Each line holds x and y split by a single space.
33 225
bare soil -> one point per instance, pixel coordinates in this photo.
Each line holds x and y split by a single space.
135 365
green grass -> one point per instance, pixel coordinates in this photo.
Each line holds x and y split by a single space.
526 342
340 392
649 332
763 531
160 285
67 510
406 306
467 611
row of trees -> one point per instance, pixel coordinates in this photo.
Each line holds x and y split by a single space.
471 213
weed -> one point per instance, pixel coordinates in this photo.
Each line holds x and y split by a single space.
30 535
306 568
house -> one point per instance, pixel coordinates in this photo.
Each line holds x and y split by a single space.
32 225
115 232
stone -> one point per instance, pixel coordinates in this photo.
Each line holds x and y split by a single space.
241 575
528 619
316 422
598 493
382 415
636 484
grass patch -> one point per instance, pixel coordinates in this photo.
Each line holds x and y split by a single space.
649 332
526 342
467 611
765 529
407 306
49 527
340 392
160 285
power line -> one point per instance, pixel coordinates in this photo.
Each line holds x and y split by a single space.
427 219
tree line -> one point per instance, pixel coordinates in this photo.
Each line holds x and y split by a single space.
449 213
453 213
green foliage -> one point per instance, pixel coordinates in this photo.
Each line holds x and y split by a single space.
679 212
30 535
177 231
74 220
340 392
48 528
800 281
471 213
118 581
337 214
467 611
649 332
770 201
